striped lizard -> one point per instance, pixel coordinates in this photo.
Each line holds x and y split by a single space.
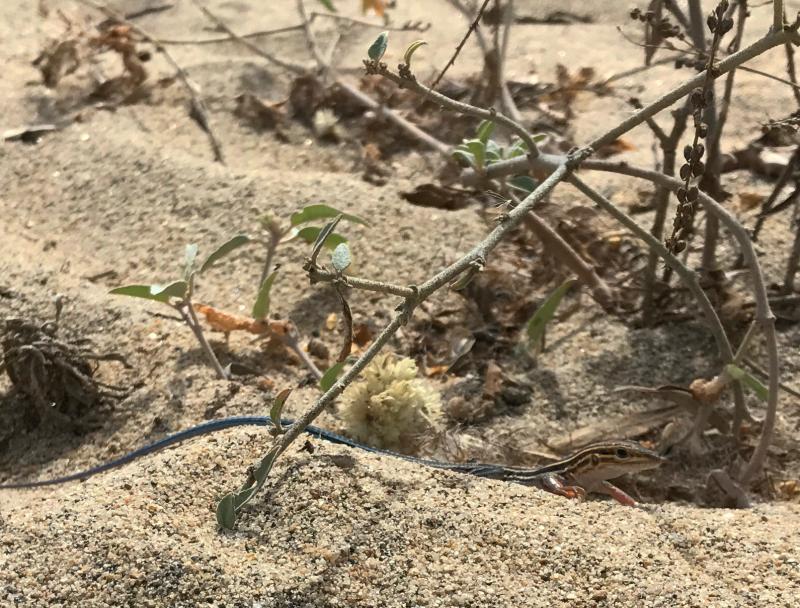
588 470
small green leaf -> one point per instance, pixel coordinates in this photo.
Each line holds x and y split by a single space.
340 258
538 322
462 153
478 150
310 234
226 513
330 376
412 48
261 306
524 183
276 411
321 212
157 293
189 258
737 373
378 47
224 250
484 131
328 5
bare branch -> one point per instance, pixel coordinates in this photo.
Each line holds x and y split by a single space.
471 29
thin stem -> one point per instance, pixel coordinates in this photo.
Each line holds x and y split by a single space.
323 66
794 257
777 15
559 249
321 276
186 310
463 108
272 246
472 28
292 342
783 179
791 71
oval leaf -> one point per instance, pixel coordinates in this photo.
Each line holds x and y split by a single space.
261 306
538 322
226 513
378 47
330 376
485 129
320 212
189 259
412 48
737 373
224 250
157 293
340 258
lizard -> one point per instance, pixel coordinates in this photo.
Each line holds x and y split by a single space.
587 470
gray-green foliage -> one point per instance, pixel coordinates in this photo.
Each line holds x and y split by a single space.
481 152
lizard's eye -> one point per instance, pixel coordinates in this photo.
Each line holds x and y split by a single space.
622 453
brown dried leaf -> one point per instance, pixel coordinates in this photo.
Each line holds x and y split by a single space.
440 197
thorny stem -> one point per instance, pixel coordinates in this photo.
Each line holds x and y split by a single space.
316 275
186 311
723 67
457 106
792 71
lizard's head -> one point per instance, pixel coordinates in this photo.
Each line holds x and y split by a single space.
611 459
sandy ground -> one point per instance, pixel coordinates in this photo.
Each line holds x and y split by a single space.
124 190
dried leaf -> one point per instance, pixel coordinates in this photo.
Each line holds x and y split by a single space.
331 321
750 200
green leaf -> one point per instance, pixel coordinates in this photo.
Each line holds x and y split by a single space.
330 376
484 131
157 293
340 258
378 47
320 212
310 233
523 183
226 513
328 5
538 322
189 259
737 373
478 150
412 48
465 155
276 411
224 250
261 306
231 504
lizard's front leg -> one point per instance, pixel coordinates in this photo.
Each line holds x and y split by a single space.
556 484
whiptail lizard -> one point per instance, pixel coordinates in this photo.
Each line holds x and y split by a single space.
588 470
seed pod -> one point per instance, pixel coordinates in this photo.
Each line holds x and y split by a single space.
696 98
685 172
699 150
681 194
726 26
687 153
698 169
702 130
692 194
712 22
635 13
678 246
721 8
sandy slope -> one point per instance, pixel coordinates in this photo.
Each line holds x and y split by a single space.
379 533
